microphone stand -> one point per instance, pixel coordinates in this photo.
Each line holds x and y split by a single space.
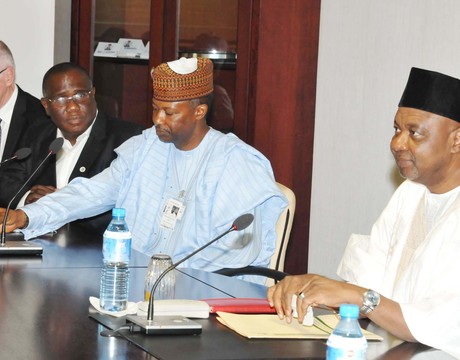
179 324
54 147
173 266
19 155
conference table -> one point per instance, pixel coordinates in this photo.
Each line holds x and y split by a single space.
45 312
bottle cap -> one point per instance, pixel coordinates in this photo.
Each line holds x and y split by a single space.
349 311
118 212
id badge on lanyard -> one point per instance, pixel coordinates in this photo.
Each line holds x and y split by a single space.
173 211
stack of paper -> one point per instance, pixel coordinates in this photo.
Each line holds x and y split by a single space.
271 327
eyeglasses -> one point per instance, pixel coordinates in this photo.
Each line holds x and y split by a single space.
3 70
79 98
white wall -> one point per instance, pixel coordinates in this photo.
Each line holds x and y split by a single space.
63 11
366 50
28 28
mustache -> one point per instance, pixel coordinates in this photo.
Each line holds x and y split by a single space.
161 128
404 155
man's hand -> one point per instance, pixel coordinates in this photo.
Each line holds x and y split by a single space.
17 219
38 191
316 290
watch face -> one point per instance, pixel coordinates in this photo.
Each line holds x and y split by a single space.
373 297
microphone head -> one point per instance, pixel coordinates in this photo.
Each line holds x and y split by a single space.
56 145
22 153
242 222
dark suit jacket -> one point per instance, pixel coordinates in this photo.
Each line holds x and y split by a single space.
27 111
106 135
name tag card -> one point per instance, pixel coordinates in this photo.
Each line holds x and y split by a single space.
106 49
130 48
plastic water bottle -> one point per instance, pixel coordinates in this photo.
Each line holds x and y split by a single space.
347 341
116 251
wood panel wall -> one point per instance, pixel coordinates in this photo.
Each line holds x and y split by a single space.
281 91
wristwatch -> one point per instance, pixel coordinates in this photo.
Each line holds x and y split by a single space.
371 299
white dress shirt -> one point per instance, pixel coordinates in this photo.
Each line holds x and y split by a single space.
66 158
6 112
68 155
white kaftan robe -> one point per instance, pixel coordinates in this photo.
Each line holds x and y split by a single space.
415 263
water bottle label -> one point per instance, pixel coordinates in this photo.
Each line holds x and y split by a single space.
346 348
345 354
116 246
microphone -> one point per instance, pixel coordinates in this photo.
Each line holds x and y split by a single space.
54 147
179 324
19 155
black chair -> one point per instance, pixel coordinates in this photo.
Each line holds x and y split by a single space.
272 274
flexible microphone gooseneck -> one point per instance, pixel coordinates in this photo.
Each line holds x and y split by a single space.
53 149
19 155
178 324
241 223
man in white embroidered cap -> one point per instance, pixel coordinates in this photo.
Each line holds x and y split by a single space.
405 275
181 182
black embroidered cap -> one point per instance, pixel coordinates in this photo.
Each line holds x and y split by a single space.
433 92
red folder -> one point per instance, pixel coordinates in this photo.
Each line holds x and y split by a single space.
240 305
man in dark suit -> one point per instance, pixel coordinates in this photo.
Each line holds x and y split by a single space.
90 138
18 109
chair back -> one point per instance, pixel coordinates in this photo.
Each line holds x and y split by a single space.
275 271
283 229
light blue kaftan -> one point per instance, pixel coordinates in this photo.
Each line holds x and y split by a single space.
231 179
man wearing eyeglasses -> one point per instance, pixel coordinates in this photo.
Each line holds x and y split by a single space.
90 138
18 109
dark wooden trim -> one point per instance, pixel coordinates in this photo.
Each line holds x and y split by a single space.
156 32
156 47
82 33
164 27
74 30
171 31
243 68
281 103
253 72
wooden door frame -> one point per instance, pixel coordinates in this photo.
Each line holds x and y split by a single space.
82 33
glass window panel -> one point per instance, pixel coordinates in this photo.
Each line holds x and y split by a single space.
208 28
208 25
116 19
121 83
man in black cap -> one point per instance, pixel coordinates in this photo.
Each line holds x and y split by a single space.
404 276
